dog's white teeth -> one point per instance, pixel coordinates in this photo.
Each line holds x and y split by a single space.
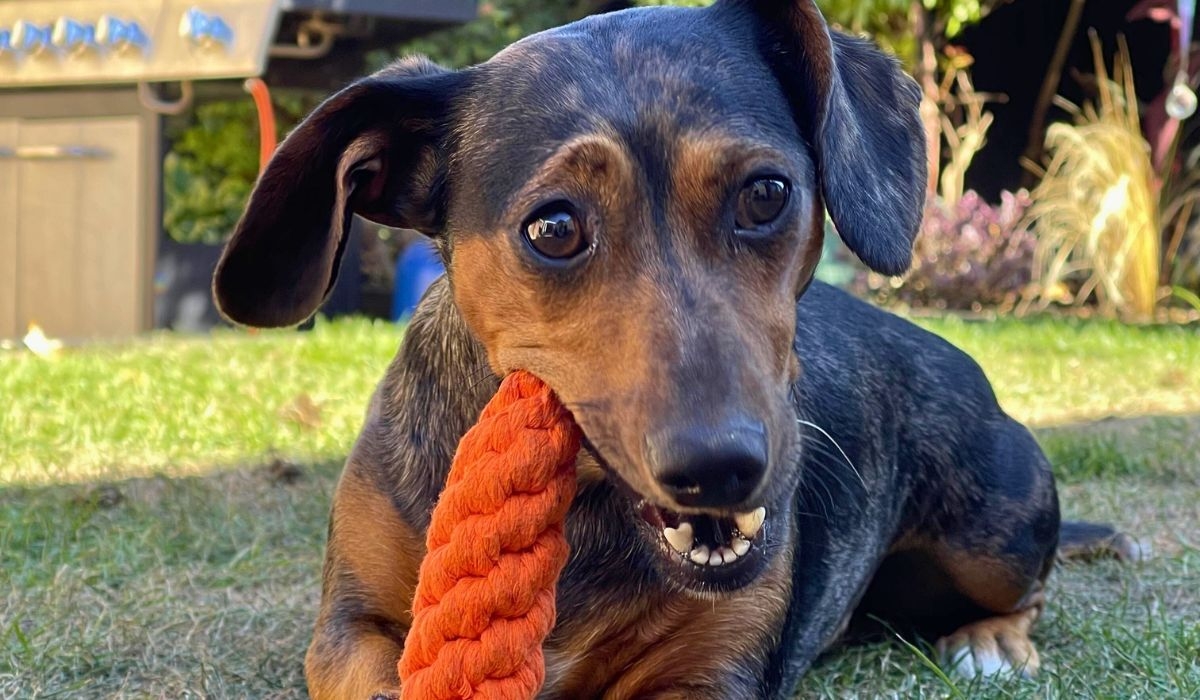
680 538
750 523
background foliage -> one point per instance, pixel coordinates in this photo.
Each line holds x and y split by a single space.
213 162
969 256
501 22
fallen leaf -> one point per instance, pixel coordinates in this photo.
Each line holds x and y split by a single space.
303 410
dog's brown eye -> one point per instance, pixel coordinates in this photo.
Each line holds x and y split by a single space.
760 202
555 232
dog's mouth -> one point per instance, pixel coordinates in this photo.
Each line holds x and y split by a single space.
709 553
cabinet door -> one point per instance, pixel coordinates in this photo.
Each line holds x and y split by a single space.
8 229
48 191
113 279
79 260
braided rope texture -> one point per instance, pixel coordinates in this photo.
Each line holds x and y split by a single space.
485 592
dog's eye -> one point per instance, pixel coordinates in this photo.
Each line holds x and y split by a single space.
760 202
555 232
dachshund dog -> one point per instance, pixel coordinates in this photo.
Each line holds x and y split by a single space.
631 207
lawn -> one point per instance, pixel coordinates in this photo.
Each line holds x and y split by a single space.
163 504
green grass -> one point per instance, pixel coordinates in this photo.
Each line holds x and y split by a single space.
186 404
1053 371
153 545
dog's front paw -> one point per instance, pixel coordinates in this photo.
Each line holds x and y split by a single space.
997 646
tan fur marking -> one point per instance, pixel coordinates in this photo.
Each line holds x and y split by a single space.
988 581
603 339
370 671
380 555
654 644
379 548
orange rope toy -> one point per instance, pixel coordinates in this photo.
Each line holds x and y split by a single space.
485 594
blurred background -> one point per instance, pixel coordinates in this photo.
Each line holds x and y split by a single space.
1064 161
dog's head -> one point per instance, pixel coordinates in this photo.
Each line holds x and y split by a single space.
630 207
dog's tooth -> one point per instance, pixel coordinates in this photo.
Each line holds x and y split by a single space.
715 558
700 554
740 546
680 538
750 523
728 555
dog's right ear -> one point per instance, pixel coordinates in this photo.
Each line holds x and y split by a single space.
861 115
377 148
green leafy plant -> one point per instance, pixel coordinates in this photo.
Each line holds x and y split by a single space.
213 163
497 24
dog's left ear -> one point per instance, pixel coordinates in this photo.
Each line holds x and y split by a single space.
377 149
861 114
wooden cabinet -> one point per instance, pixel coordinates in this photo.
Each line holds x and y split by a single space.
73 237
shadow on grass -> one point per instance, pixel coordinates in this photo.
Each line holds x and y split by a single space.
1152 447
163 587
208 585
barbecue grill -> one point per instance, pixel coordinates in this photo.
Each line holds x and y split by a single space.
84 88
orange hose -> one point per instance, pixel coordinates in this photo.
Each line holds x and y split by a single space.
485 593
266 119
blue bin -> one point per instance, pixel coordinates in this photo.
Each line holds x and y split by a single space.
416 268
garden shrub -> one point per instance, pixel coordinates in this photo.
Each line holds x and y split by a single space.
969 256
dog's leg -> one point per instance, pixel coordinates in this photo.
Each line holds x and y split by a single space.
970 568
997 549
995 645
372 561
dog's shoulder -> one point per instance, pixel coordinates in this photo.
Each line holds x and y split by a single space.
862 364
429 397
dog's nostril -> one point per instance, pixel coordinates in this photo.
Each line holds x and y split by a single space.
710 466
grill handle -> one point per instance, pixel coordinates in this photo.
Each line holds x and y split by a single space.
53 153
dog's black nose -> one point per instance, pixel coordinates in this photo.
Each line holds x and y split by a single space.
710 465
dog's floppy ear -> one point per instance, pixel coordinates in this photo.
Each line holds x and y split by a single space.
376 149
861 114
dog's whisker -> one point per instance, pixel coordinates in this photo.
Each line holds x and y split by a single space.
809 493
831 439
830 466
832 461
825 464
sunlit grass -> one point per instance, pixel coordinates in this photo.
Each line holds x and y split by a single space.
1050 371
188 403
181 404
